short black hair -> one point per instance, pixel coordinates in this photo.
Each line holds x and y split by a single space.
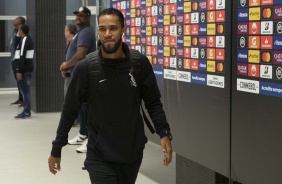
72 28
113 11
24 28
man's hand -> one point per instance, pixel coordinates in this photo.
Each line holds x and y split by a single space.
63 66
167 149
63 72
19 76
54 164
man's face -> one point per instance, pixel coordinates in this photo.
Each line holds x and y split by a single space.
81 19
17 23
110 33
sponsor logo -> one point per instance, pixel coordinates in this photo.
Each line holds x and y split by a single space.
254 28
154 50
195 6
277 43
242 55
277 57
202 53
187 18
266 56
194 18
254 14
187 7
210 53
220 41
187 52
160 51
266 71
173 30
278 28
277 72
166 9
170 74
271 89
172 9
203 65
160 40
266 27
154 10
173 62
166 61
266 42
194 29
161 10
266 13
220 16
186 63
148 40
179 19
194 64
187 29
199 78
220 4
220 54
202 29
242 69
243 14
180 7
254 2
254 56
211 4
202 41
211 41
219 29
166 20
211 16
249 86
242 42
172 51
183 76
180 41
179 63
148 50
187 41
166 40
202 17
211 29
194 41
215 81
242 28
195 53
158 71
180 52
242 3
254 42
202 5
266 2
219 67
166 30
253 70
154 20
278 12
211 66
154 40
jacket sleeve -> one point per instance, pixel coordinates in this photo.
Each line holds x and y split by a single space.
151 95
21 55
76 95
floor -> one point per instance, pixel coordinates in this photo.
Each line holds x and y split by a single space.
26 146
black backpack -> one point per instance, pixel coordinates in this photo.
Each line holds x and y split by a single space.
95 76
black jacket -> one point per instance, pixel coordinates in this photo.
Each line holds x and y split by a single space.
115 126
24 55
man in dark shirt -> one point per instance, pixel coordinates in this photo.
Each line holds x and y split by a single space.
13 46
116 128
24 68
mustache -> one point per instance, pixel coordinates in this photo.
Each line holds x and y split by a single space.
108 40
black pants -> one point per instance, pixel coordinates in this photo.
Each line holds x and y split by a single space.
102 172
15 75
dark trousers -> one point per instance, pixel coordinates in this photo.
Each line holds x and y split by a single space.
102 172
24 86
15 75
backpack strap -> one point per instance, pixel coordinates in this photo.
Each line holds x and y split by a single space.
136 69
95 73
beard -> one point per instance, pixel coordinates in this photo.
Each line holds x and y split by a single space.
111 50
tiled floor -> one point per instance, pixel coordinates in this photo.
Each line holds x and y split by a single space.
26 144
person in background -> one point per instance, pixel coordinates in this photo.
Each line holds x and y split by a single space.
82 43
115 125
15 40
24 68
70 31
